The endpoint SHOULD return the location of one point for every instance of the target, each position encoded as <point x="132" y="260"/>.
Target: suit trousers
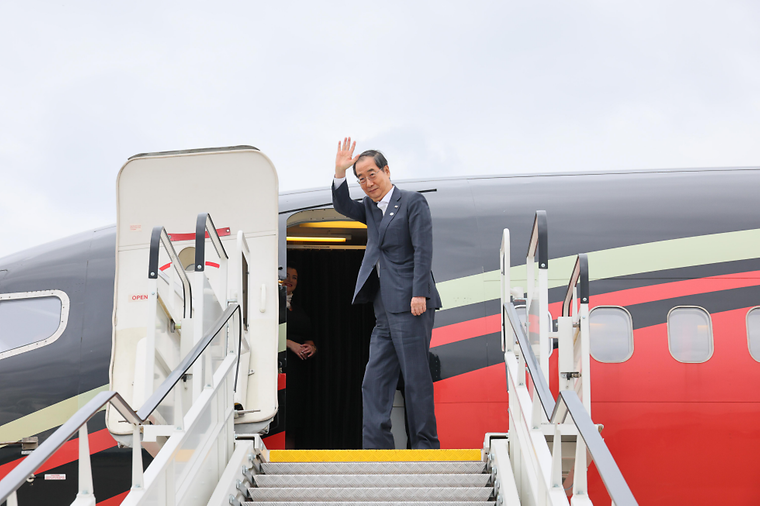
<point x="399" y="342"/>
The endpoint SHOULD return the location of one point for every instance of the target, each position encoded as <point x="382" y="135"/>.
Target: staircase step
<point x="372" y="494"/>
<point x="470" y="467"/>
<point x="372" y="480"/>
<point x="377" y="503"/>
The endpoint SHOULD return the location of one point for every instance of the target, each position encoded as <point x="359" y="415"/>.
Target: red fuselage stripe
<point x="490" y="324"/>
<point x="465" y="330"/>
<point x="670" y="290"/>
<point x="677" y="289"/>
<point x="69" y="452"/>
<point x="115" y="500"/>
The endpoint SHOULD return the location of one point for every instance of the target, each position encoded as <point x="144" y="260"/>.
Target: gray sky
<point x="443" y="88"/>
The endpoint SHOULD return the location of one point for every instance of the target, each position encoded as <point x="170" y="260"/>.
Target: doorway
<point x="323" y="393"/>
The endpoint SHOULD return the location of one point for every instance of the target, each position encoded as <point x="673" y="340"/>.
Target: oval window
<point x="690" y="334"/>
<point x="30" y="320"/>
<point x="610" y="334"/>
<point x="753" y="332"/>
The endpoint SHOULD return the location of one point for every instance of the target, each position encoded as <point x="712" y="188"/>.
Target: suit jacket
<point x="401" y="241"/>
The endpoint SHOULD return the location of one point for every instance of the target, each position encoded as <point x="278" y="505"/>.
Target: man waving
<point x="396" y="277"/>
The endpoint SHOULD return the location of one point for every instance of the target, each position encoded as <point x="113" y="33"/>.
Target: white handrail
<point x="159" y="238"/>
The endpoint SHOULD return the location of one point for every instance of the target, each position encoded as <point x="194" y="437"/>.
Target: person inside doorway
<point x="301" y="348"/>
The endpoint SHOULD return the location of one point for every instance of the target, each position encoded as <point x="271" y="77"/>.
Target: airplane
<point x="675" y="326"/>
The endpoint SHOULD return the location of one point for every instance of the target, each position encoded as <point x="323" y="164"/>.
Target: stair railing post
<point x="585" y="357"/>
<point x="179" y="414"/>
<point x="150" y="339"/>
<point x="138" y="482"/>
<point x="543" y="311"/>
<point x="538" y="247"/>
<point x="580" y="482"/>
<point x="86" y="495"/>
<point x="566" y="357"/>
<point x="507" y="336"/>
<point x="199" y="278"/>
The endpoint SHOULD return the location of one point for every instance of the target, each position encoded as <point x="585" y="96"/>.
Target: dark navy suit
<point x="401" y="243"/>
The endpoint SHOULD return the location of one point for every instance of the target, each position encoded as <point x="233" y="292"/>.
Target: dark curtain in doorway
<point x="331" y="381"/>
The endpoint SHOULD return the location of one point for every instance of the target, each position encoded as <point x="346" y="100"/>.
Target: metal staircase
<point x="347" y="477"/>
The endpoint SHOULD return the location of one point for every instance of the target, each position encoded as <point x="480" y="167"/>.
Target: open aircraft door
<point x="233" y="191"/>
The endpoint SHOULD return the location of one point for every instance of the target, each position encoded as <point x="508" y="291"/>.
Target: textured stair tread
<point x="453" y="467"/>
<point x="378" y="503"/>
<point x="372" y="494"/>
<point x="371" y="480"/>
<point x="375" y="455"/>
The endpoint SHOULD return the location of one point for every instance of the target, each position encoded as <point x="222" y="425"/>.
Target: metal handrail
<point x="158" y="237"/>
<point x="579" y="277"/>
<point x="20" y="473"/>
<point x="204" y="224"/>
<point x="569" y="402"/>
<point x="163" y="390"/>
<point x="539" y="240"/>
<point x="18" y="476"/>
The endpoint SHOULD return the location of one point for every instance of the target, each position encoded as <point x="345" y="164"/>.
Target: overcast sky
<point x="443" y="88"/>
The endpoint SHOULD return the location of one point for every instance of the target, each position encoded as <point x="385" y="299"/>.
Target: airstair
<point x="340" y="477"/>
<point x="195" y="347"/>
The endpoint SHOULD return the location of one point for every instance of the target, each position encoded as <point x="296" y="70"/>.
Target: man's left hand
<point x="419" y="305"/>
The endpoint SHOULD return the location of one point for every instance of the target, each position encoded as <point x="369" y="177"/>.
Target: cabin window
<point x="31" y="320"/>
<point x="533" y="336"/>
<point x="753" y="332"/>
<point x="690" y="334"/>
<point x="610" y="334"/>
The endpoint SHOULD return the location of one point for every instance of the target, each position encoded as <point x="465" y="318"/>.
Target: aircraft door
<point x="238" y="188"/>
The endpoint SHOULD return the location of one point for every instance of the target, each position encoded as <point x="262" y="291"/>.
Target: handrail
<point x="158" y="237"/>
<point x="539" y="238"/>
<point x="203" y="224"/>
<point x="613" y="479"/>
<point x="18" y="475"/>
<point x="26" y="468"/>
<point x="173" y="378"/>
<point x="569" y="402"/>
<point x="531" y="363"/>
<point x="580" y="274"/>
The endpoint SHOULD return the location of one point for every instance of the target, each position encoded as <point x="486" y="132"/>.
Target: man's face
<point x="374" y="181"/>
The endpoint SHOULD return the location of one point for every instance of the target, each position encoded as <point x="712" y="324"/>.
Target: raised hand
<point x="345" y="157"/>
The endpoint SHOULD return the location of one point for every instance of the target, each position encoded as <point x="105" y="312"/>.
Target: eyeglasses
<point x="371" y="176"/>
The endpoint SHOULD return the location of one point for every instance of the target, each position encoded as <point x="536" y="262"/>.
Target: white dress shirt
<point x="383" y="204"/>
